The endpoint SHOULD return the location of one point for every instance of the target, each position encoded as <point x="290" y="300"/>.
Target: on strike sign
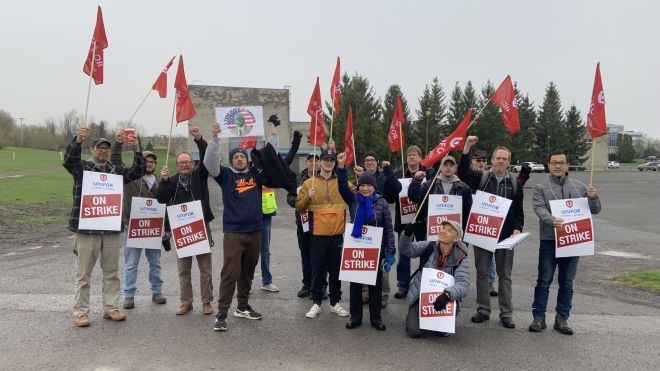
<point x="188" y="229"/>
<point x="407" y="208"/>
<point x="360" y="256"/>
<point x="442" y="208"/>
<point x="486" y="219"/>
<point x="304" y="218"/>
<point x="100" y="201"/>
<point x="145" y="226"/>
<point x="434" y="282"/>
<point x="576" y="236"/>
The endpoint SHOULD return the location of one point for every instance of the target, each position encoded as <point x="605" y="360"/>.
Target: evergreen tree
<point x="578" y="142"/>
<point x="428" y="131"/>
<point x="626" y="149"/>
<point x="456" y="110"/>
<point x="550" y="131"/>
<point x="522" y="144"/>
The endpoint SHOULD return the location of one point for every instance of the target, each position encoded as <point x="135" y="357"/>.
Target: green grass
<point x="649" y="280"/>
<point x="15" y="159"/>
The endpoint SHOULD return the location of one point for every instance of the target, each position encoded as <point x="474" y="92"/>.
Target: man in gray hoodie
<point x="557" y="187"/>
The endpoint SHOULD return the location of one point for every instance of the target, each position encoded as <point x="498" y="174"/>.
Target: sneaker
<point x="158" y="299"/>
<point x="270" y="288"/>
<point x="507" y="322"/>
<point x="247" y="313"/>
<point x="129" y="303"/>
<point x="538" y="325"/>
<point x="303" y="292"/>
<point x="479" y="318"/>
<point x="339" y="310"/>
<point x="561" y="325"/>
<point x="220" y="323"/>
<point x="115" y="315"/>
<point x="401" y="294"/>
<point x="81" y="320"/>
<point x="493" y="290"/>
<point x="313" y="311"/>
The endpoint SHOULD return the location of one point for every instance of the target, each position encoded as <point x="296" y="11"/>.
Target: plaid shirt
<point x="75" y="165"/>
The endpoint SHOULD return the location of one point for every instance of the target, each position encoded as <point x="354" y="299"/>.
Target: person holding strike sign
<point x="367" y="208"/>
<point x="448" y="254"/>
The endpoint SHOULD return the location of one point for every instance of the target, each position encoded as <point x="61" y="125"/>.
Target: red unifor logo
<point x="445" y="199"/>
<point x="441" y="274"/>
<point x="149" y="202"/>
<point x="492" y="199"/>
<point x="364" y="230"/>
<point x="104" y="177"/>
<point x="569" y="203"/>
<point x="184" y="208"/>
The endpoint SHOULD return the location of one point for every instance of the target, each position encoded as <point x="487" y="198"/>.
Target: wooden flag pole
<point x="401" y="142"/>
<point x="169" y="140"/>
<point x="354" y="151"/>
<point x="89" y="84"/>
<point x="137" y="109"/>
<point x="593" y="154"/>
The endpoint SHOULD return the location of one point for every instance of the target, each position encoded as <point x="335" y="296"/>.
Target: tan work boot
<point x="82" y="320"/>
<point x="115" y="315"/>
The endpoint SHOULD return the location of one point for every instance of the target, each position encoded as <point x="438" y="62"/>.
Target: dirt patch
<point x="37" y="223"/>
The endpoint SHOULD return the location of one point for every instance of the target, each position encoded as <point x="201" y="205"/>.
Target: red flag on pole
<point x="349" y="149"/>
<point x="184" y="107"/>
<point x="395" y="134"/>
<point x="101" y="43"/>
<point x="315" y="110"/>
<point x="454" y="142"/>
<point x="248" y="142"/>
<point x="161" y="82"/>
<point x="505" y="98"/>
<point x="596" y="123"/>
<point x="335" y="91"/>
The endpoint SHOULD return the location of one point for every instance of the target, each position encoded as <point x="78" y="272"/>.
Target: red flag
<point x="335" y="91"/>
<point x="161" y="82"/>
<point x="348" y="138"/>
<point x="184" y="107"/>
<point x="505" y="98"/>
<point x="315" y="110"/>
<point x="248" y="142"/>
<point x="101" y="43"/>
<point x="395" y="134"/>
<point x="596" y="123"/>
<point x="454" y="142"/>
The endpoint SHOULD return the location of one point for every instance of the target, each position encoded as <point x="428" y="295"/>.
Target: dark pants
<point x="567" y="269"/>
<point x="375" y="297"/>
<point x="305" y="257"/>
<point x="241" y="254"/>
<point x="504" y="263"/>
<point x="403" y="266"/>
<point x="326" y="257"/>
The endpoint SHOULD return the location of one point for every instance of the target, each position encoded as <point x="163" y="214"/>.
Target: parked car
<point x="613" y="165"/>
<point x="653" y="165"/>
<point x="536" y="167"/>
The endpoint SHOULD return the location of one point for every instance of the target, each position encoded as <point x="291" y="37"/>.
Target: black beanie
<point x="371" y="154"/>
<point x="368" y="178"/>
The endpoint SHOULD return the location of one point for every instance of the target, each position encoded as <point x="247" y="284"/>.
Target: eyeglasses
<point x="481" y="160"/>
<point x="328" y="160"/>
<point x="558" y="163"/>
<point x="102" y="148"/>
<point x="449" y="164"/>
<point x="150" y="161"/>
<point x="184" y="163"/>
<point x="370" y="160"/>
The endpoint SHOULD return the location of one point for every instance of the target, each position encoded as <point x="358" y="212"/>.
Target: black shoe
<point x="303" y="292"/>
<point x="247" y="313"/>
<point x="129" y="303"/>
<point x="538" y="325"/>
<point x="158" y="299"/>
<point x="400" y="294"/>
<point x="561" y="325"/>
<point x="493" y="291"/>
<point x="353" y="323"/>
<point x="507" y="322"/>
<point x="220" y="323"/>
<point x="378" y="325"/>
<point x="479" y="318"/>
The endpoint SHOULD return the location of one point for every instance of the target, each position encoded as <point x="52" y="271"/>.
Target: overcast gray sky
<point x="270" y="44"/>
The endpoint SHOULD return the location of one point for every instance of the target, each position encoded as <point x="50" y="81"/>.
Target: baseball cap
<point x="480" y="154"/>
<point x="456" y="226"/>
<point x="149" y="153"/>
<point x="328" y="153"/>
<point x="99" y="141"/>
<point x="448" y="158"/>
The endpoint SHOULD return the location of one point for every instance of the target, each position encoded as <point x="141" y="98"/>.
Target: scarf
<point x="363" y="214"/>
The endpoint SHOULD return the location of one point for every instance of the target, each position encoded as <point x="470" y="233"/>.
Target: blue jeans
<point x="491" y="272"/>
<point x="565" y="276"/>
<point x="131" y="260"/>
<point x="266" y="277"/>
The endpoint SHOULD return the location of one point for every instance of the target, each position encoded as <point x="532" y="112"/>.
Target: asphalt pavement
<point x="616" y="327"/>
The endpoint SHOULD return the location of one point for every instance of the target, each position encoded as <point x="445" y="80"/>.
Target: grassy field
<point x="649" y="280"/>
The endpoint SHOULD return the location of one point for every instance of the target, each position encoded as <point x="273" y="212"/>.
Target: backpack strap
<point x="424" y="258"/>
<point x="484" y="179"/>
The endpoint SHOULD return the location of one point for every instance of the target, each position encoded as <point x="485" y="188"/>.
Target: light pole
<point x="22" y="131"/>
<point x="426" y="144"/>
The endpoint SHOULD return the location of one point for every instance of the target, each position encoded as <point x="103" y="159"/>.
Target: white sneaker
<point x="270" y="287"/>
<point x="339" y="310"/>
<point x="313" y="311"/>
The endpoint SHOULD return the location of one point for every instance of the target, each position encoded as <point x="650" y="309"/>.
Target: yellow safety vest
<point x="268" y="201"/>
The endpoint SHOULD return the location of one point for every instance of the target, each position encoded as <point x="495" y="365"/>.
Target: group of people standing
<point x="325" y="201"/>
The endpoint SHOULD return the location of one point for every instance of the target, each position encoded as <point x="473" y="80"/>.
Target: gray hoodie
<point x="557" y="189"/>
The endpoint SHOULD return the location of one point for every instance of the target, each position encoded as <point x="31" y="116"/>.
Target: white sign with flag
<point x="486" y="219"/>
<point x="407" y="208"/>
<point x="188" y="229"/>
<point x="360" y="256"/>
<point x="145" y="226"/>
<point x="238" y="122"/>
<point x="434" y="282"/>
<point x="576" y="236"/>
<point x="101" y="201"/>
<point x="442" y="208"/>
